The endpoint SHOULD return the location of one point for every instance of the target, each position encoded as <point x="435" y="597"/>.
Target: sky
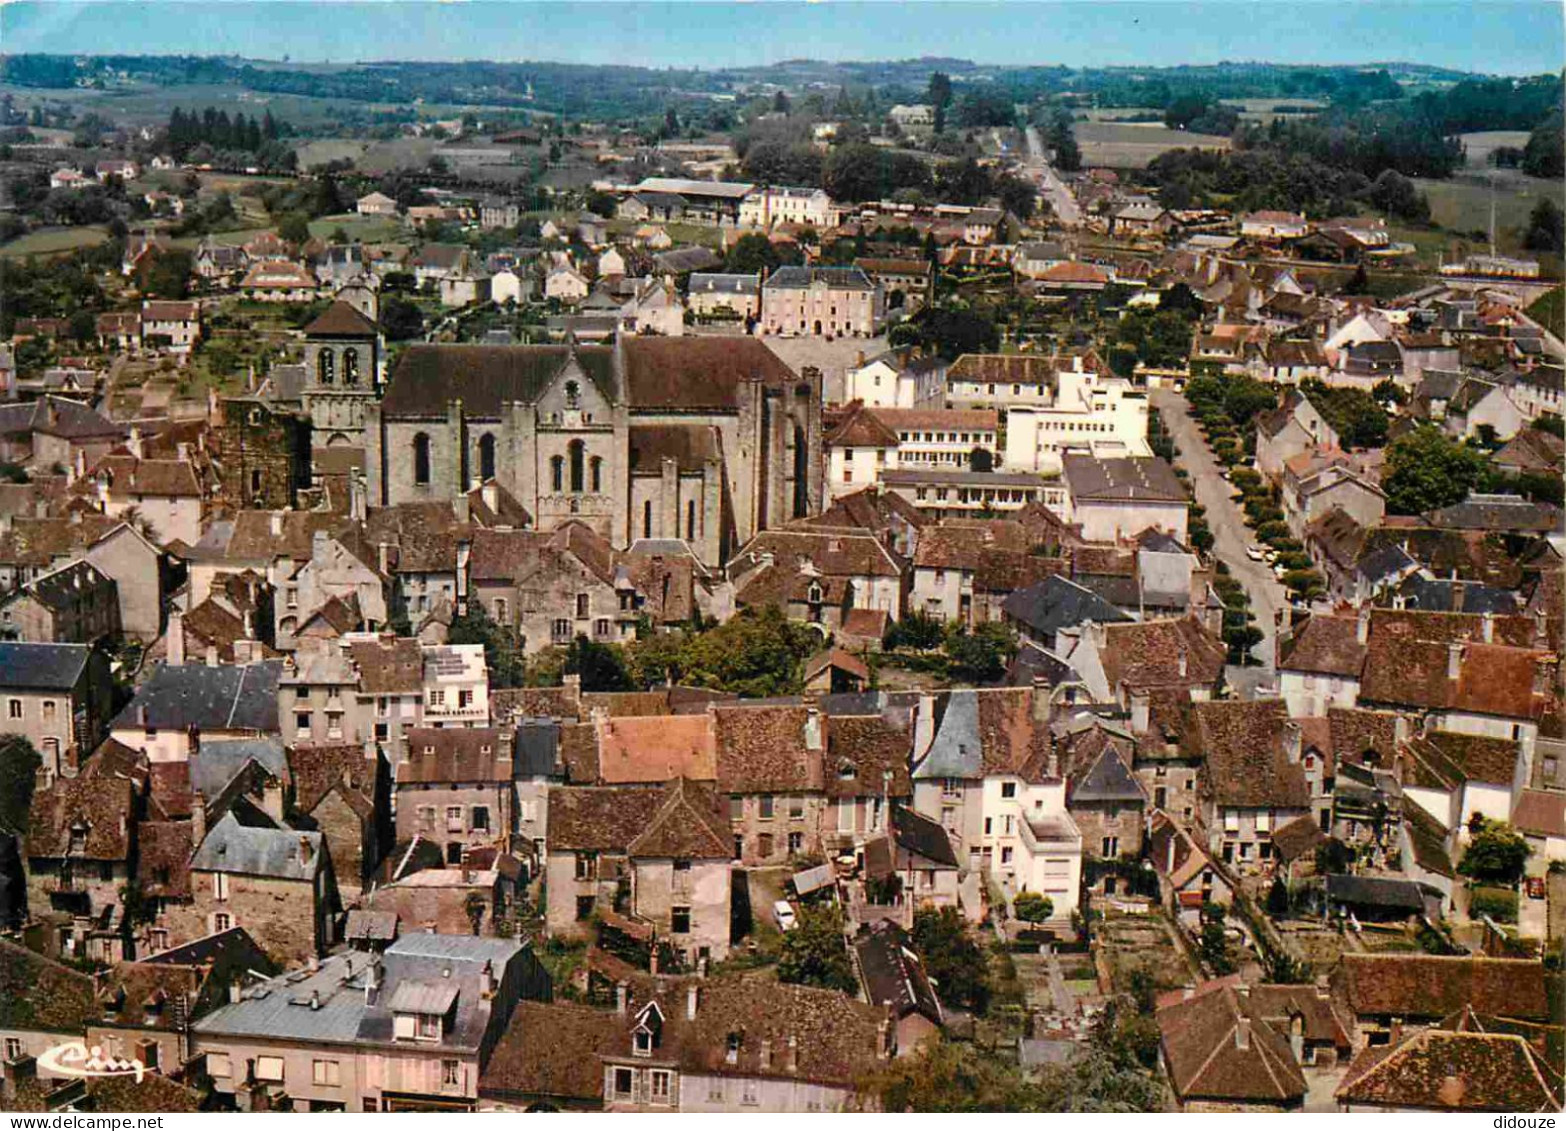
<point x="1492" y="36"/>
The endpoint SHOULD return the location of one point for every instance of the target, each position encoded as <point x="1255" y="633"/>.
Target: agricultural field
<point x="1264" y="111"/>
<point x="1129" y="146"/>
<point x="53" y="241"/>
<point x="360" y="229"/>
<point x="1479" y="146"/>
<point x="322" y="150"/>
<point x="1462" y="204"/>
<point x="1549" y="311"/>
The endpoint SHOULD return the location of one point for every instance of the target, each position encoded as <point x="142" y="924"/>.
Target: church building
<point x="705" y="440"/>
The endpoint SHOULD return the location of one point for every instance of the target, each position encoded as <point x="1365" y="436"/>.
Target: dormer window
<point x="643" y="1042"/>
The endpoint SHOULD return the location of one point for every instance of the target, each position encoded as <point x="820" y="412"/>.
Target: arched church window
<point x="350" y="366"/>
<point x="557" y="473"/>
<point x="421" y="458"/>
<point x="325" y="367"/>
<point x="577" y="453"/>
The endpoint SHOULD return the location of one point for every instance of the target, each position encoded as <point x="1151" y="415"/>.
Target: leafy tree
<point x="1497" y="853"/>
<point x="1283" y="969"/>
<point x="1356" y="416"/>
<point x="755" y="653"/>
<point x="1546" y="227"/>
<point x="1212" y="942"/>
<point x="1334" y="858"/>
<point x="1160" y="337"/>
<point x="752" y="253"/>
<point x="1032" y="907"/>
<point x="19" y="765"/>
<point x="940" y="94"/>
<point x="1425" y="469"/>
<point x="814" y="954"/>
<point x="980" y="654"/>
<point x="401" y="319"/>
<point x="952" y="958"/>
<point x="1387" y="393"/>
<point x="1278" y="898"/>
<point x="295" y="228"/>
<point x="1545" y="153"/>
<point x="917" y="630"/>
<point x="601" y="666"/>
<point x="169" y="274"/>
<point x="981" y="459"/>
<point x="947" y="1076"/>
<point x="502" y="653"/>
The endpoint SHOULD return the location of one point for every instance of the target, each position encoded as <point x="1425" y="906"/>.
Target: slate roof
<point x="920" y="835"/>
<point x="1107" y="779"/>
<point x="801" y="278"/>
<point x="57" y="416"/>
<point x="215" y="764"/>
<point x="986" y="732"/>
<point x="316" y="770"/>
<point x="42" y="667"/>
<point x="253" y="850"/>
<point x="211" y="699"/>
<point x="1496" y="512"/>
<point x="535" y="751"/>
<point x="892" y="975"/>
<point x="1380" y="892"/>
<point x="1058" y="603"/>
<point x="1128" y="479"/>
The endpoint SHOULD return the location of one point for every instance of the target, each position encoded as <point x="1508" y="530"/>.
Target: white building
<point x="941" y="437"/>
<point x="1102" y="416"/>
<point x="892" y="380"/>
<point x="1119" y="498"/>
<point x="766" y="207"/>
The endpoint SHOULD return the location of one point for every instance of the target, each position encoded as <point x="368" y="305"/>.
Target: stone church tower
<point x="342" y="375"/>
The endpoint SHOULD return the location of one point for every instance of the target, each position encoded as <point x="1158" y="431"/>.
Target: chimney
<point x="621" y="997"/>
<point x="883" y="1038"/>
<point x="1040" y="700"/>
<point x="1242" y="1033"/>
<point x="1362" y="626"/>
<point x="315" y="999"/>
<point x="306" y="850"/>
<point x="22" y="1068"/>
<point x="461" y="508"/>
<point x="174" y="641"/>
<point x="813" y="729"/>
<point x="490" y="493"/>
<point x="487" y="984"/>
<point x="356" y="497"/>
<point x="1141" y="709"/>
<point x="1486" y="620"/>
<point x="1454" y="659"/>
<point x="652" y="962"/>
<point x="372" y="980"/>
<point x="692" y="1000"/>
<point x="1401" y="731"/>
<point x="1541" y="628"/>
<point x="318" y="544"/>
<point x="1182" y="665"/>
<point x="235" y="991"/>
<point x="1293" y="741"/>
<point x="276" y="519"/>
<point x="198" y="818"/>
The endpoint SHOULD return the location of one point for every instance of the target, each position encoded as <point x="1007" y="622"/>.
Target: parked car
<point x="783" y="912"/>
<point x="1254" y="553"/>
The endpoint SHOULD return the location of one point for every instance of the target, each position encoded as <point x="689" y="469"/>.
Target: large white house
<point x="1102" y="416"/>
<point x="766" y="207"/>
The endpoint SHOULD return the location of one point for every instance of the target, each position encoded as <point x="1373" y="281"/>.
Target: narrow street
<point x="1230" y="535"/>
<point x="1058" y="195"/>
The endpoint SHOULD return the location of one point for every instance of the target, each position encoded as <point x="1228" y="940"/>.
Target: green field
<point x="53" y="241"/>
<point x="1462" y="205"/>
<point x="1550" y="311"/>
<point x="1479" y="146"/>
<point x="1127" y="146"/>
<point x="364" y="229"/>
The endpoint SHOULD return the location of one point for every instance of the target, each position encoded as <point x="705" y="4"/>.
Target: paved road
<point x="1230" y="534"/>
<point x="1058" y="195"/>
